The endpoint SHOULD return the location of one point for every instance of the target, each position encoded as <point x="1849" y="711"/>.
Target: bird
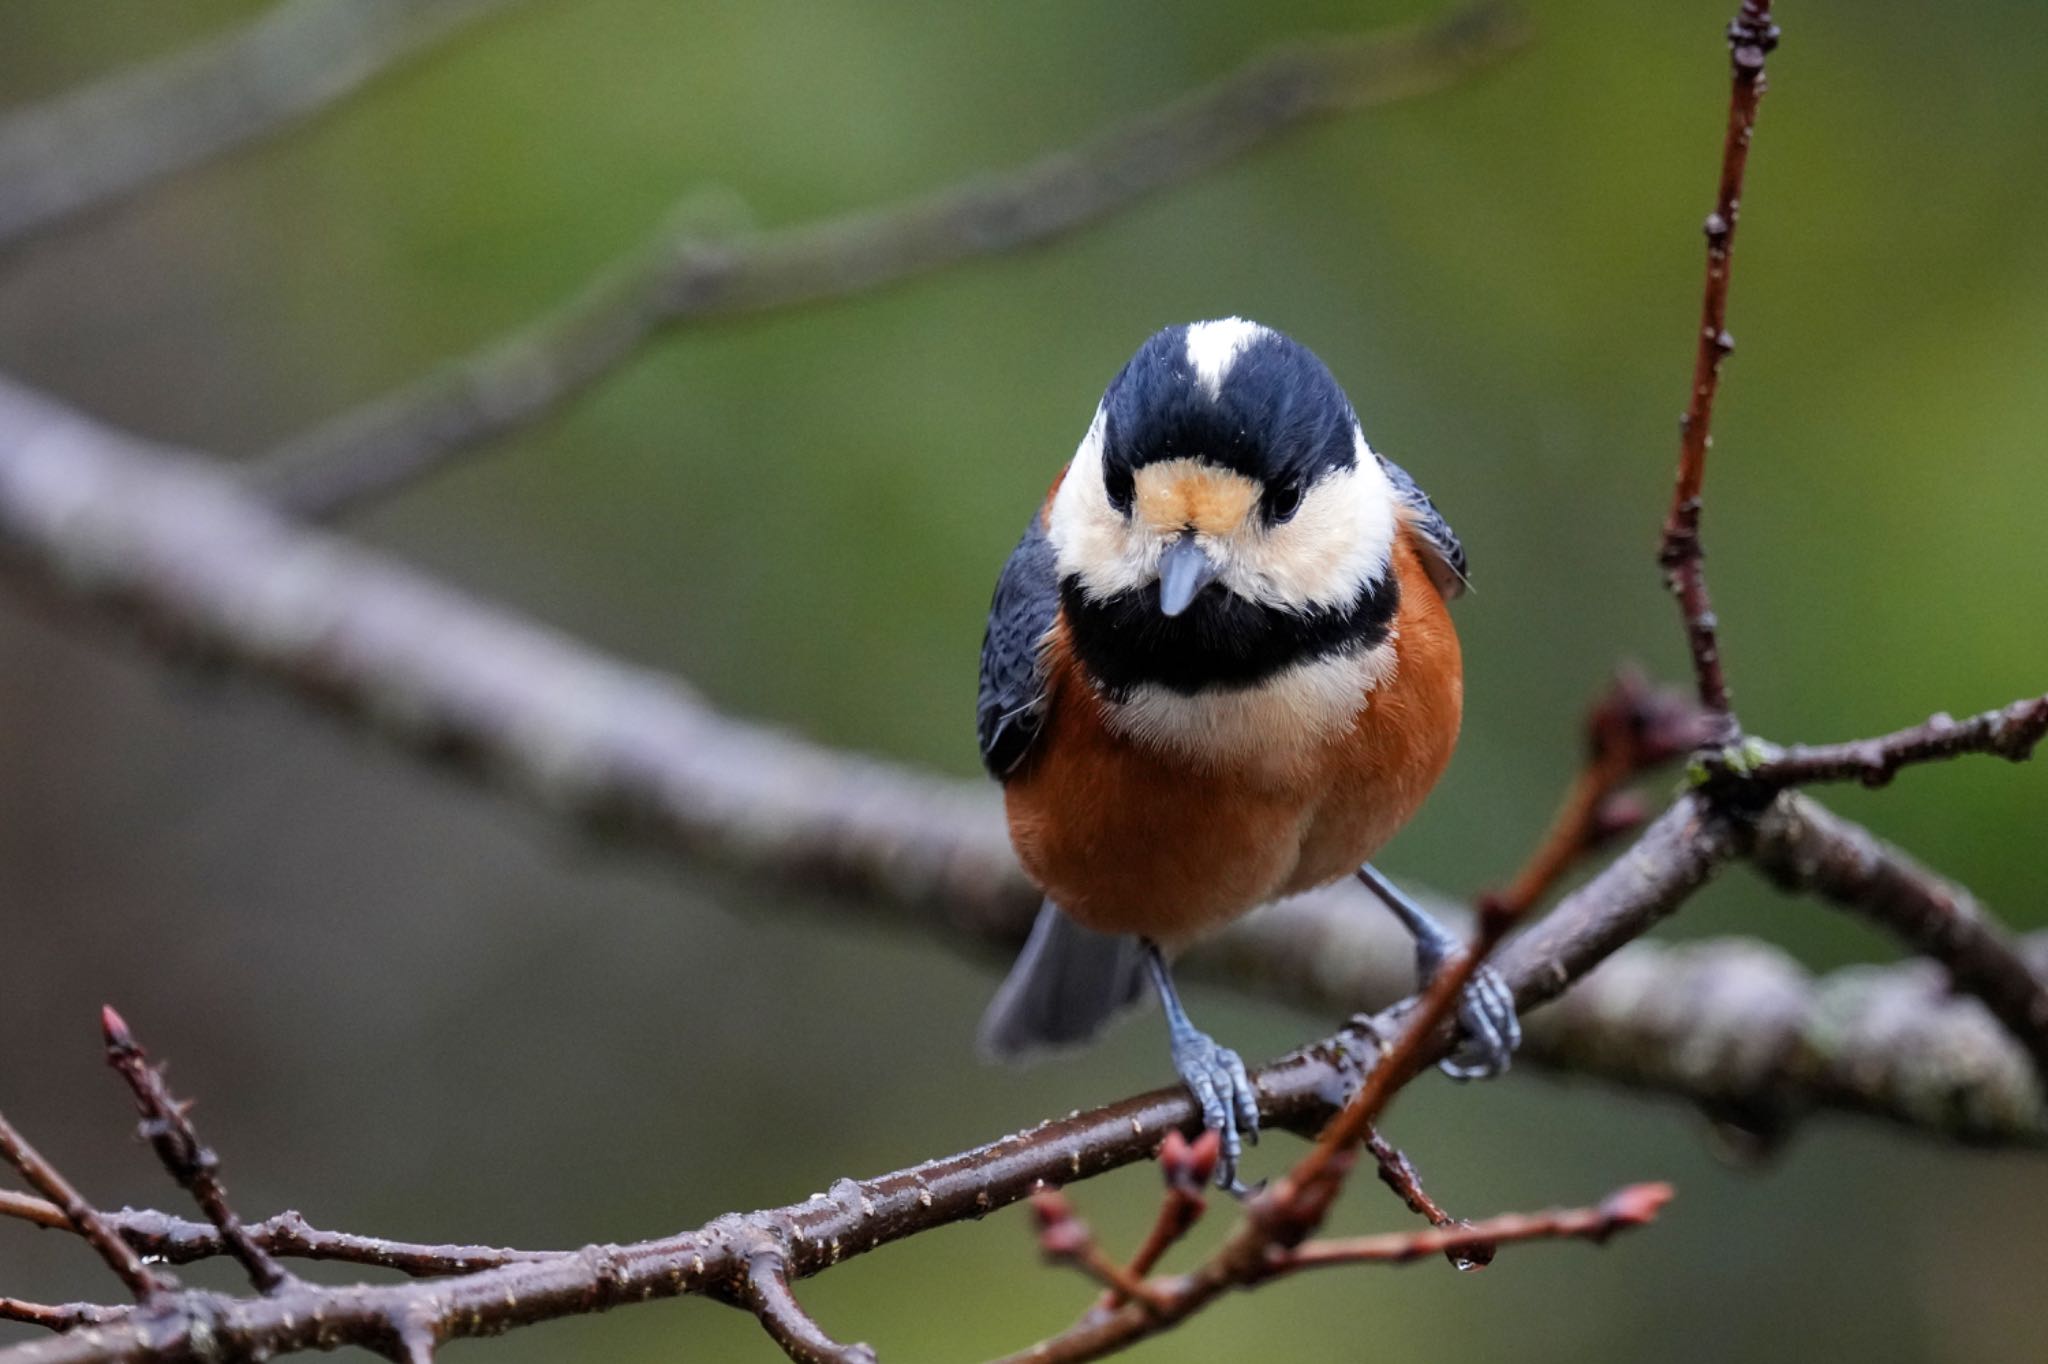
<point x="1219" y="670"/>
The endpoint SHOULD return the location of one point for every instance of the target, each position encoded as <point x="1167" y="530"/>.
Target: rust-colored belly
<point x="1130" y="838"/>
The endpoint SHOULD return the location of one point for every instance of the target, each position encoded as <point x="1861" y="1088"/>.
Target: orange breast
<point x="1134" y="839"/>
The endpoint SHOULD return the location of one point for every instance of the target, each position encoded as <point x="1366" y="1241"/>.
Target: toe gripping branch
<point x="1213" y="1073"/>
<point x="1489" y="1027"/>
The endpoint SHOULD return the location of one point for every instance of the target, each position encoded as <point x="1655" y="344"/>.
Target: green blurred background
<point x="417" y="1011"/>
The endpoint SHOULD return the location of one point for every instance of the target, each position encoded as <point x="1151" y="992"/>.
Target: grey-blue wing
<point x="1442" y="553"/>
<point x="1012" y="705"/>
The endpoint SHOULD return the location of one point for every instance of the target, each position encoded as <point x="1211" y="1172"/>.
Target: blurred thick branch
<point x="178" y="548"/>
<point x="520" y="379"/>
<point x="100" y="144"/>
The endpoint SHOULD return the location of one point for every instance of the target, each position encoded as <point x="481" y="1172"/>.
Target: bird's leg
<point x="1486" y="1010"/>
<point x="1214" y="1074"/>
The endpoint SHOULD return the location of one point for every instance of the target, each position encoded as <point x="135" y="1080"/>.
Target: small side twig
<point x="1187" y="1167"/>
<point x="167" y="1127"/>
<point x="66" y="1317"/>
<point x="1635" y="1206"/>
<point x="1751" y="37"/>
<point x="1064" y="1239"/>
<point x="179" y="1241"/>
<point x="1398" y="1173"/>
<point x="2010" y="732"/>
<point x="768" y="1296"/>
<point x="140" y="1280"/>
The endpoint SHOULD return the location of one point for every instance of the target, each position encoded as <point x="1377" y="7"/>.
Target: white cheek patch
<point x="1091" y="540"/>
<point x="1337" y="544"/>
<point x="1213" y="347"/>
<point x="1271" y="725"/>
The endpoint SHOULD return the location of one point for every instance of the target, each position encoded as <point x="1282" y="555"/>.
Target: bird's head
<point x="1223" y="517"/>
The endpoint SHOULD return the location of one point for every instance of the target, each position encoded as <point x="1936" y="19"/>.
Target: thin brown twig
<point x="515" y="381"/>
<point x="167" y="1127"/>
<point x="2010" y="732"/>
<point x="1631" y="729"/>
<point x="95" y="146"/>
<point x="142" y="1281"/>
<point x="177" y="1240"/>
<point x="1751" y="36"/>
<point x="39" y="1212"/>
<point x="63" y="1317"/>
<point x="1314" y="1179"/>
<point x="1398" y="1173"/>
<point x="1186" y="1168"/>
<point x="1064" y="1239"/>
<point x="1635" y="1206"/>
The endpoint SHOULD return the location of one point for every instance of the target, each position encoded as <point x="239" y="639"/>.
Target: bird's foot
<point x="1489" y="1028"/>
<point x="1215" y="1075"/>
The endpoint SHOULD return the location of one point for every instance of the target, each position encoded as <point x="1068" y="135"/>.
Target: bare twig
<point x="1635" y="1206"/>
<point x="1186" y="1167"/>
<point x="1064" y="1239"/>
<point x="80" y="1215"/>
<point x="69" y="1316"/>
<point x="95" y="146"/>
<point x="1806" y="848"/>
<point x="178" y="1241"/>
<point x="2011" y="732"/>
<point x="1750" y="37"/>
<point x="1398" y="1173"/>
<point x="768" y="1295"/>
<point x="1097" y="1335"/>
<point x="38" y="1212"/>
<point x="167" y="1126"/>
<point x="520" y="379"/>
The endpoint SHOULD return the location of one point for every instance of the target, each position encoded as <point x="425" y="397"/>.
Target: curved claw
<point x="1216" y="1076"/>
<point x="1492" y="1029"/>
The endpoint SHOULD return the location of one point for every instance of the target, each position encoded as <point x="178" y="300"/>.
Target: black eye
<point x="1283" y="502"/>
<point x="1117" y="483"/>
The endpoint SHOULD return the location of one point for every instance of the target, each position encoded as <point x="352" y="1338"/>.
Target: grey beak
<point x="1183" y="573"/>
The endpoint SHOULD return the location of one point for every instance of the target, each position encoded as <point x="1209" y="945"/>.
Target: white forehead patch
<point x="1213" y="347"/>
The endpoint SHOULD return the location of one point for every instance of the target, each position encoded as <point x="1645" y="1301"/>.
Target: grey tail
<point x="1068" y="983"/>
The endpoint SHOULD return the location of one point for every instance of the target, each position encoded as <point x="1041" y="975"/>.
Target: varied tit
<point x="1218" y="670"/>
